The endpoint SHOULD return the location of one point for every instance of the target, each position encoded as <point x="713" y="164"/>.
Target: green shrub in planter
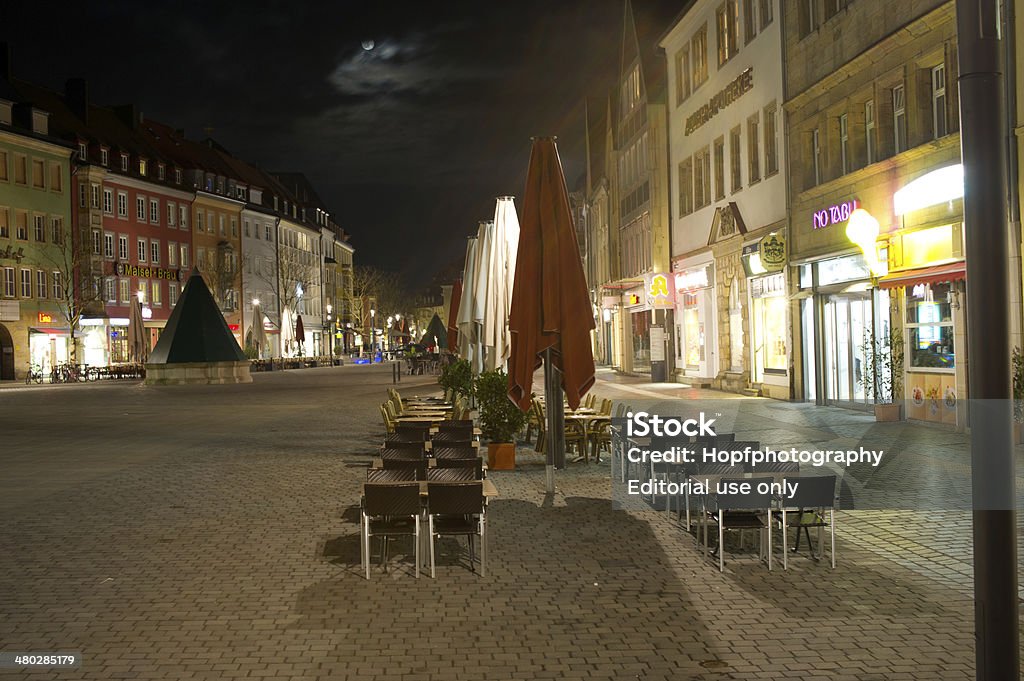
<point x="458" y="377"/>
<point x="500" y="417"/>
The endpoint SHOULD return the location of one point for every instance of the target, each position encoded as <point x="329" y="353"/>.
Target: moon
<point x="368" y="45"/>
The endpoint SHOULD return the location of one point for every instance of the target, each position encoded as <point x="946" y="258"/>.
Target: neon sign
<point x="833" y="214"/>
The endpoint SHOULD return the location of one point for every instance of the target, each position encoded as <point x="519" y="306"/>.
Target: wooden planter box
<point x="889" y="412"/>
<point x="501" y="456"/>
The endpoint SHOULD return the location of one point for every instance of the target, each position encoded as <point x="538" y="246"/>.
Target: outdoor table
<point x="378" y="463"/>
<point x="476" y="431"/>
<point x="489" y="490"/>
<point x="712" y="480"/>
<point x="422" y="418"/>
<point x="585" y="420"/>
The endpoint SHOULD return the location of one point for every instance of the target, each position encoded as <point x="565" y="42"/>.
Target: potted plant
<point x="457" y="377"/>
<point x="882" y="375"/>
<point x="500" y="419"/>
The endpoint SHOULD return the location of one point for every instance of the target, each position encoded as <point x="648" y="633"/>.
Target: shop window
<point x="929" y="317"/>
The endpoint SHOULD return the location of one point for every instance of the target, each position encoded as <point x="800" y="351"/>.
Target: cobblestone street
<point x="211" y="532"/>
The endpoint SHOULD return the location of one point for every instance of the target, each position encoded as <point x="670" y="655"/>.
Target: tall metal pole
<point x="983" y="149"/>
<point x="555" y="447"/>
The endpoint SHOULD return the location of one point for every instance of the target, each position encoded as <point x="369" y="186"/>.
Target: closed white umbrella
<point x="481" y="281"/>
<point x="501" y="272"/>
<point x="287" y="332"/>
<point x="259" y="337"/>
<point x="467" y="335"/>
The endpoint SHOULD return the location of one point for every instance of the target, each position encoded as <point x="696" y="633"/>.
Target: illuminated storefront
<point x="638" y="316"/>
<point x="695" y="320"/>
<point x="764" y="262"/>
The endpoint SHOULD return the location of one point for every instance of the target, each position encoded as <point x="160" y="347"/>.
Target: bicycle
<point x="34" y="375"/>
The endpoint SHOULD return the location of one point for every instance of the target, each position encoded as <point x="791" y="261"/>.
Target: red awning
<point x="952" y="271"/>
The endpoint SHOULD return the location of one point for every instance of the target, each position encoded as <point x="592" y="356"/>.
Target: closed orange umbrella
<point x="551" y="307"/>
<point x="453" y="317"/>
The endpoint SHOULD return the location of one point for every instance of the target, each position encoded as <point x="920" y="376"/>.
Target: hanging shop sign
<point x="740" y="85"/>
<point x="692" y="280"/>
<point x="124" y="270"/>
<point x="660" y="295"/>
<point x="772" y="249"/>
<point x="838" y="213"/>
<point x="632" y="300"/>
<point x="11" y="254"/>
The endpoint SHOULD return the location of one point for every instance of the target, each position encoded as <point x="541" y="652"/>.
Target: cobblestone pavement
<point x="211" y="533"/>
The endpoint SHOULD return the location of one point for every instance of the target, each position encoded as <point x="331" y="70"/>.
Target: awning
<point x="953" y="271"/>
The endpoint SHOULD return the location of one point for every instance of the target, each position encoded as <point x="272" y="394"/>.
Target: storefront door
<point x="847" y="325"/>
<point x="6" y="355"/>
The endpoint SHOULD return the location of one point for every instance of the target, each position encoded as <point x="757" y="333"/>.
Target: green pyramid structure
<point x="196" y="331"/>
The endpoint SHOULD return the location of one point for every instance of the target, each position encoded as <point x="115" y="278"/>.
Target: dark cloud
<point x="409" y="142"/>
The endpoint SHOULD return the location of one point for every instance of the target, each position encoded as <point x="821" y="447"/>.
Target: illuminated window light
<point x="938" y="186"/>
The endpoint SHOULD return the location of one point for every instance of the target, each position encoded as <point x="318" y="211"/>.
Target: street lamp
<point x="373" y="333"/>
<point x="329" y="328"/>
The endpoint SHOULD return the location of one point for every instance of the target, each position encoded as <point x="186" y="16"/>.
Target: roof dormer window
<point x="104" y="157"/>
<point x="161" y="171"/>
<point x="83" y="151"/>
<point x="177" y="176"/>
<point x="124" y="162"/>
<point x="142" y="167"/>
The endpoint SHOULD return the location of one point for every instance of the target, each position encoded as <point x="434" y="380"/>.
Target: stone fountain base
<point x="198" y="373"/>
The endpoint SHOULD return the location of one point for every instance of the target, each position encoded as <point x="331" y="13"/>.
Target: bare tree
<point x="221" y="272"/>
<point x="77" y="278"/>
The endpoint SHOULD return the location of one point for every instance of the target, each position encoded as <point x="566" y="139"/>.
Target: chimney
<point x="128" y="116"/>
<point x="6" y="73"/>
<point x="76" y="94"/>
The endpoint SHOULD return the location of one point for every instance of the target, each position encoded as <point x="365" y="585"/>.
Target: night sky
<point x="408" y="142"/>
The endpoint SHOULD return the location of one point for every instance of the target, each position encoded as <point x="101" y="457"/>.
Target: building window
<point x="682" y="74"/>
<point x="124" y="288"/>
<point x="26" y="283"/>
<point x="899" y="119"/>
<point x="939" y="126"/>
<point x="234" y="228"/>
<point x="172" y="293"/>
<point x="686" y="187"/>
<point x="727" y="20"/>
<point x="40" y="284"/>
<point x="8" y="282"/>
<point x="108" y="245"/>
<point x="108" y="201"/>
<point x="171" y="214"/>
<point x="104" y="157"/>
<point x="97" y="242"/>
<point x="142" y="167"/>
<point x="750" y="10"/>
<point x="82" y="192"/>
<point x="5" y="225"/>
<point x="21" y="225"/>
<point x="154" y="252"/>
<point x="266" y="233"/>
<point x="38" y="174"/>
<point x="753" y="150"/>
<point x="702" y="178"/>
<point x="154" y="211"/>
<point x="157" y="292"/>
<point x="140" y="208"/>
<point x="816" y="155"/>
<point x="771" y="155"/>
<point x="767" y="12"/>
<point x="172" y="254"/>
<point x="124" y="163"/>
<point x="141" y="250"/>
<point x="209" y="222"/>
<point x="869" y="131"/>
<point x="58" y="286"/>
<point x="56" y="230"/>
<point x="245" y="227"/>
<point x="183" y="217"/>
<point x="844" y="143"/>
<point x="735" y="158"/>
<point x="143" y="291"/>
<point x="122" y="205"/>
<point x="122" y="247"/>
<point x="95" y="195"/>
<point x="719" y="168"/>
<point x="184" y="256"/>
<point x="161" y="171"/>
<point x="109" y="290"/>
<point x="39" y="227"/>
<point x="220" y="223"/>
<point x="808" y="17"/>
<point x="833" y="7"/>
<point x="699" y="53"/>
<point x="199" y="220"/>
<point x="56" y="180"/>
<point x="83" y="151"/>
<point x="177" y="176"/>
